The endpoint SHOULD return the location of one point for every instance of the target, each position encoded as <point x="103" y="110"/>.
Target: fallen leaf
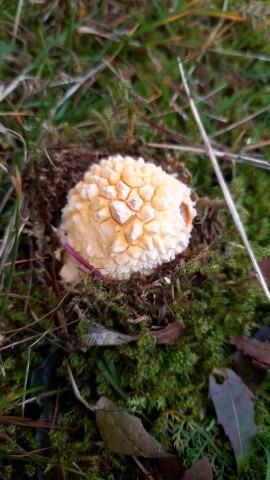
<point x="169" y="333"/>
<point x="259" y="351"/>
<point x="124" y="433"/>
<point x="201" y="470"/>
<point x="234" y="405"/>
<point x="170" y="467"/>
<point x="248" y="371"/>
<point x="96" y="334"/>
<point x="244" y="365"/>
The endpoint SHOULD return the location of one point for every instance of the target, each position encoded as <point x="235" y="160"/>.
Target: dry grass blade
<point x="17" y="18"/>
<point x="91" y="75"/>
<point x="238" y="158"/>
<point x="28" y="367"/>
<point x="242" y="121"/>
<point x="222" y="182"/>
<point x="250" y="56"/>
<point x="9" y="237"/>
<point x="5" y="198"/>
<point x="14" y="84"/>
<point x="10" y="134"/>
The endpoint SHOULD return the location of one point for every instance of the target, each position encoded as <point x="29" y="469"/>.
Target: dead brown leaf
<point x="96" y="335"/>
<point x="234" y="405"/>
<point x="201" y="470"/>
<point x="259" y="351"/>
<point x="169" y="334"/>
<point x="124" y="433"/>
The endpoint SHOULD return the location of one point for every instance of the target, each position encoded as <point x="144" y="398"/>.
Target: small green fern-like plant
<point x="194" y="440"/>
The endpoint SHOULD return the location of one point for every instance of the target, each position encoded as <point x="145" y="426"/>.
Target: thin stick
<point x="234" y="157"/>
<point x="92" y="408"/>
<point x="76" y="391"/>
<point x="222" y="182"/>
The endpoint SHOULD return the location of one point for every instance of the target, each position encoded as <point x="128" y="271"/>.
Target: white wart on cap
<point x="126" y="216"/>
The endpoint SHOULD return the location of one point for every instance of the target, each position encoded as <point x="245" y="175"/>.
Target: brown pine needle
<point x="222" y="182"/>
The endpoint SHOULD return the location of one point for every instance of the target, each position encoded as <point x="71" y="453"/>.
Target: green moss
<point x="216" y="299"/>
<point x="214" y="295"/>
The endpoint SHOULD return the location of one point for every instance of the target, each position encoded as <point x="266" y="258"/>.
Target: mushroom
<point x="125" y="216"/>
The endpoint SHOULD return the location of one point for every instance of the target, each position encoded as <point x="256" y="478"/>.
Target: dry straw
<point x="222" y="183"/>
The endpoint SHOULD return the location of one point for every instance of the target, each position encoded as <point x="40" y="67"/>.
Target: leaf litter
<point x="234" y="405"/>
<point x="201" y="470"/>
<point x="124" y="433"/>
<point x="259" y="351"/>
<point x="97" y="335"/>
<point x="168" y="334"/>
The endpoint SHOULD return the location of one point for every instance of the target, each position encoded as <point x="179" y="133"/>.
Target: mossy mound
<point x="210" y="290"/>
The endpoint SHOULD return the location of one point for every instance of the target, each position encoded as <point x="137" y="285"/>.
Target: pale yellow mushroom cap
<point x="126" y="216"/>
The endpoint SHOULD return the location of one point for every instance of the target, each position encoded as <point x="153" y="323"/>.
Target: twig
<point x="11" y="441"/>
<point x="222" y="182"/>
<point x="19" y="342"/>
<point x="28" y="339"/>
<point x="36" y="319"/>
<point x="76" y="391"/>
<point x="42" y="395"/>
<point x="145" y="472"/>
<point x="238" y="158"/>
<point x="92" y="408"/>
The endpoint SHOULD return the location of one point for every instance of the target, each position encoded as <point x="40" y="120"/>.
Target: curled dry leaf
<point x="201" y="470"/>
<point x="259" y="351"/>
<point x="124" y="433"/>
<point x="234" y="405"/>
<point x="97" y="335"/>
<point x="169" y="333"/>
